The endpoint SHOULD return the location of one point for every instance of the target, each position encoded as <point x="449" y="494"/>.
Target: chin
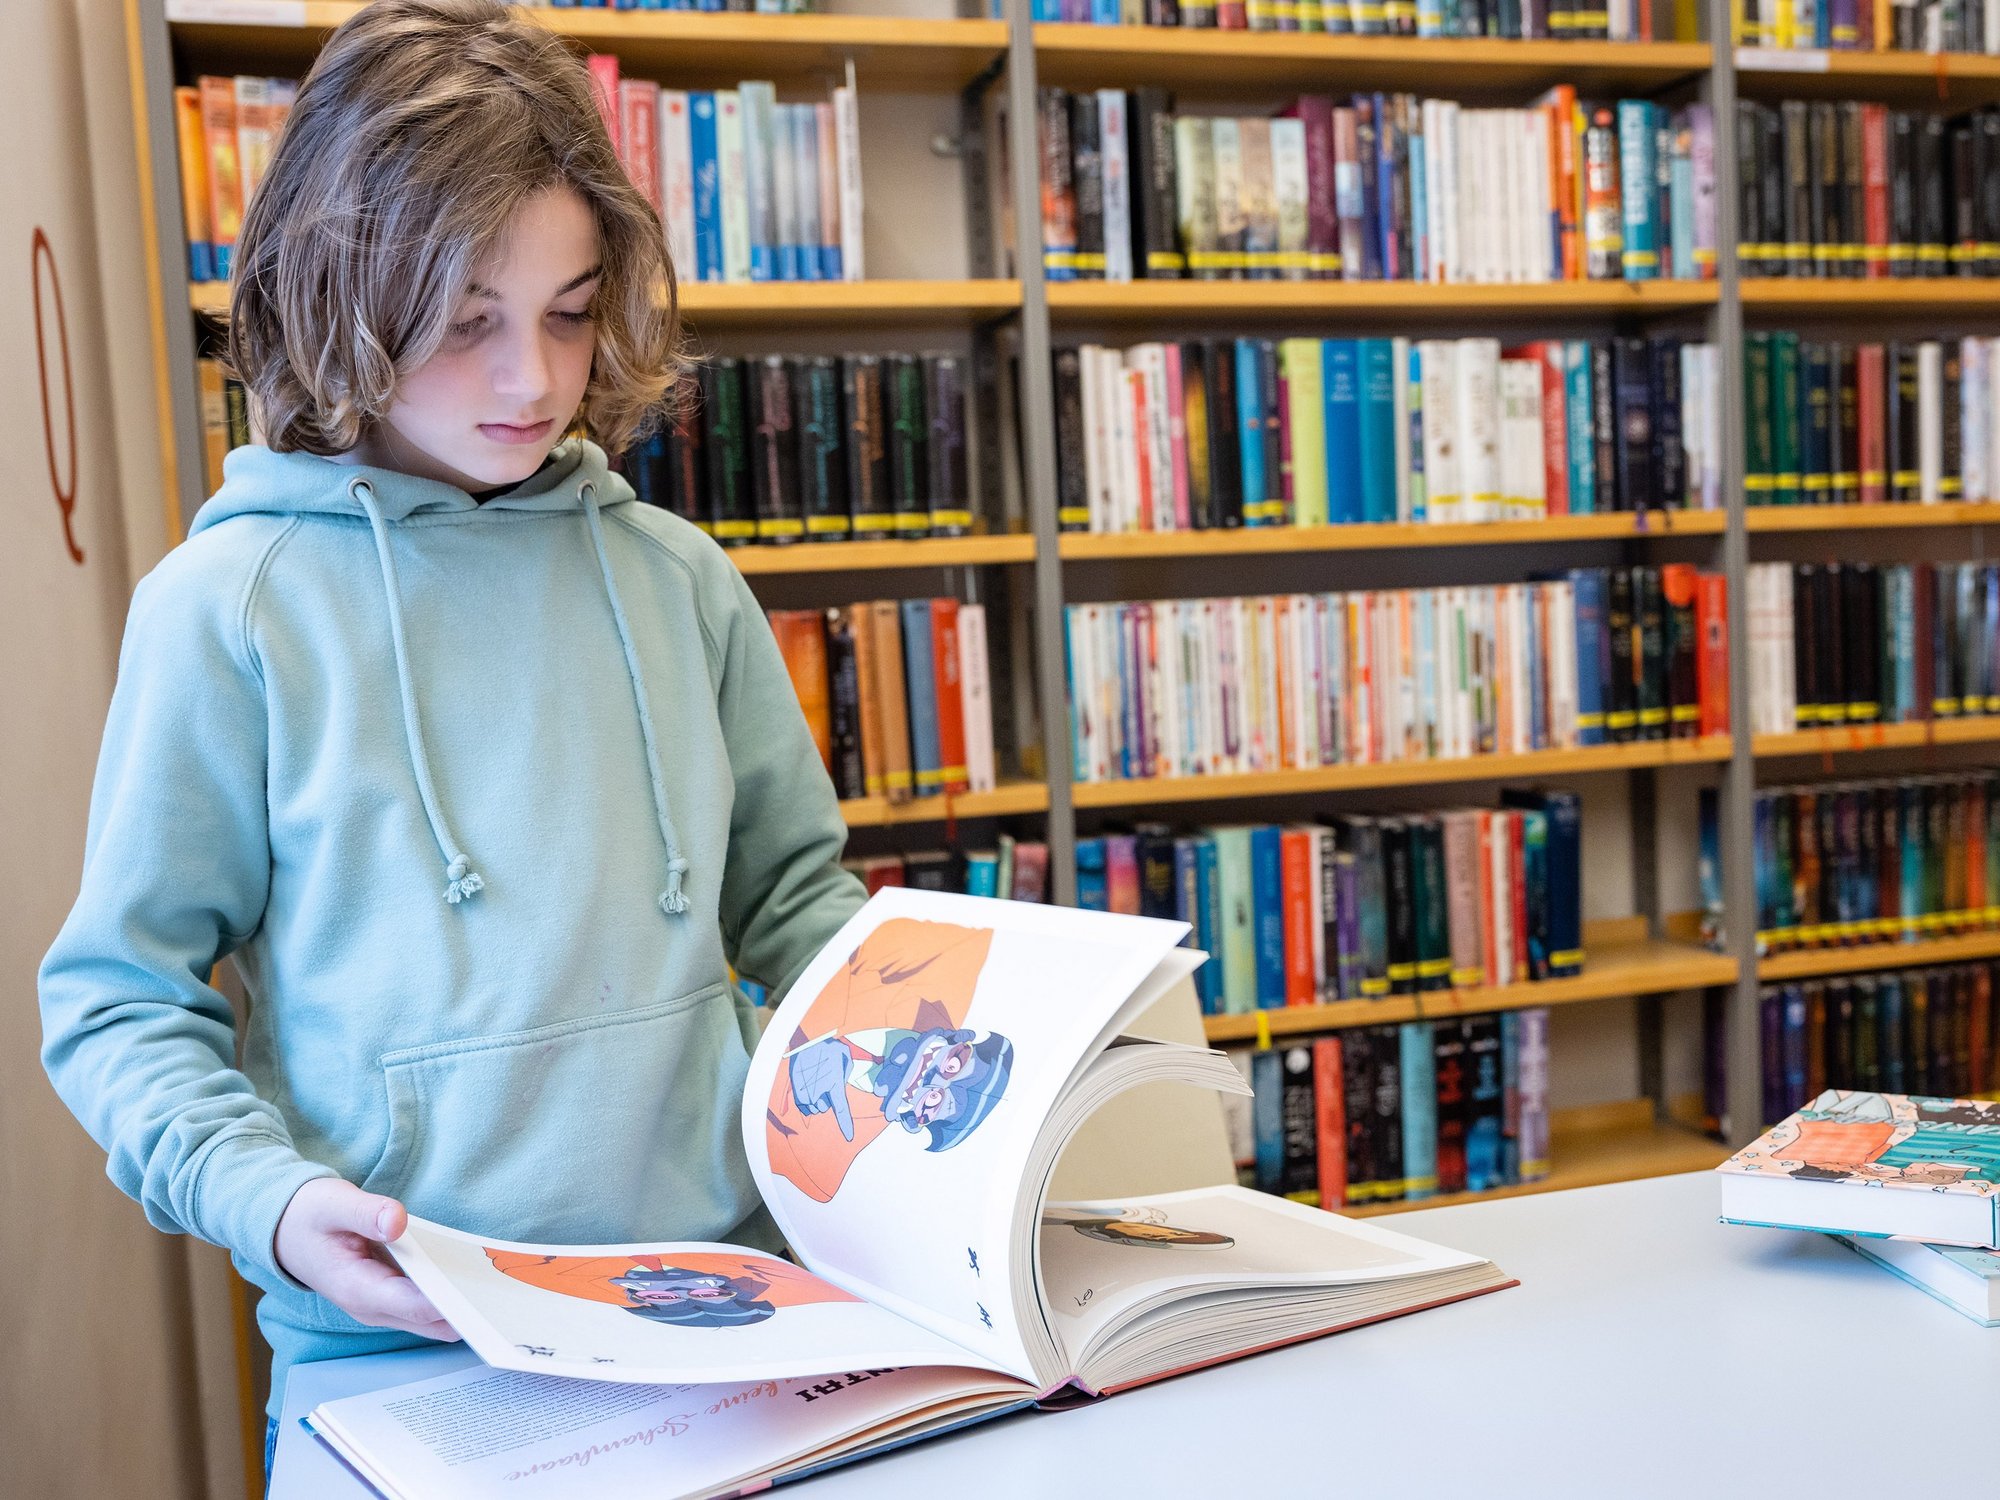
<point x="502" y="463"/>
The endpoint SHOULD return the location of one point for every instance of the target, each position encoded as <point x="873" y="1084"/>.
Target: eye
<point x="574" y="319"/>
<point x="466" y="329"/>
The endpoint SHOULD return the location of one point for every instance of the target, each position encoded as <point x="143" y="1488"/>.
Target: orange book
<point x="1295" y="856"/>
<point x="861" y="625"/>
<point x="1330" y="1112"/>
<point x="1489" y="946"/>
<point x="1711" y="628"/>
<point x="802" y="642"/>
<point x="950" y="695"/>
<point x="193" y="148"/>
<point x="891" y="702"/>
<point x="225" y="170"/>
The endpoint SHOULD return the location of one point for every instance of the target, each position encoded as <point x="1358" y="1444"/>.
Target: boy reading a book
<point x="482" y="772"/>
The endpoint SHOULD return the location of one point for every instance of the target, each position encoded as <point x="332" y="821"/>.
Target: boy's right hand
<point x="330" y="1237"/>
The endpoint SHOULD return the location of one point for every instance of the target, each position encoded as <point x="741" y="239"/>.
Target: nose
<point x="521" y="370"/>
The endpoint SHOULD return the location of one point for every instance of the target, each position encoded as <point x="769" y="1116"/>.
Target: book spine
<point x="845" y="711"/>
<point x="774" y="466"/>
<point x="920" y="682"/>
<point x="817" y="421"/>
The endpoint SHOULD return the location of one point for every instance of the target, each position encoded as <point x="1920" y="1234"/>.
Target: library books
<point x="937" y="1048"/>
<point x="1220" y="432"/>
<point x="898" y="694"/>
<point x="1911" y="422"/>
<point x="1848" y="189"/>
<point x="1919" y="1031"/>
<point x="1397" y="1113"/>
<point x="1373" y="187"/>
<point x="749" y="188"/>
<point x="1016" y="869"/>
<point x="1612" y="20"/>
<point x="1354" y="907"/>
<point x="1210" y="687"/>
<point x="1870" y="25"/>
<point x="1854" y="643"/>
<point x="225" y="131"/>
<point x="1855" y="1162"/>
<point x="780" y="448"/>
<point x="1965" y="1280"/>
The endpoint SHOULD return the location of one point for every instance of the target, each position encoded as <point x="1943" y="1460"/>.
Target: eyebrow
<point x="476" y="290"/>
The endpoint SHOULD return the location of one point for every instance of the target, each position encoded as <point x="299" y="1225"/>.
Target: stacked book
<point x="1014" y="868"/>
<point x="1910" y="1182"/>
<point x="1913" y="422"/>
<point x="1376" y="187"/>
<point x="1854" y="643"/>
<point x="1209" y="687"/>
<point x="1616" y="21"/>
<point x="1396" y="1113"/>
<point x="787" y="448"/>
<point x="897" y="693"/>
<point x="1209" y="433"/>
<point x="1357" y="908"/>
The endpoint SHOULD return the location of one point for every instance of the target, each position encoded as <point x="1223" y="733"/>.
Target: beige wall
<point x="97" y="1387"/>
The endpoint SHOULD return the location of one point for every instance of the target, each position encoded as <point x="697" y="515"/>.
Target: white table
<point x="1649" y="1351"/>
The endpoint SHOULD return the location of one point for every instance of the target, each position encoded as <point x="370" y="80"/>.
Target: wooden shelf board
<point x="1076" y="56"/>
<point x="1613" y="969"/>
<point x="1004" y="801"/>
<point x="1909" y="78"/>
<point x="1536" y="763"/>
<point x="1590" y="1147"/>
<point x="852" y="557"/>
<point x="1811" y="963"/>
<point x="1874" y="517"/>
<point x="710" y="304"/>
<point x="1947" y="294"/>
<point x="1848" y="738"/>
<point x="677" y="46"/>
<point x="1190" y="300"/>
<point x="1080" y="546"/>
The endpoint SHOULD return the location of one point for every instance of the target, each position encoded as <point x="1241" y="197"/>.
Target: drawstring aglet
<point x="465" y="881"/>
<point x="673" y="900"/>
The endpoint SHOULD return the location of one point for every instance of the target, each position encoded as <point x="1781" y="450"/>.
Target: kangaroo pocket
<point x="589" y="1131"/>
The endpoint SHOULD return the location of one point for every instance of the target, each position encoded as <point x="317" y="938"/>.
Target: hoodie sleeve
<point x="175" y="876"/>
<point x="783" y="891"/>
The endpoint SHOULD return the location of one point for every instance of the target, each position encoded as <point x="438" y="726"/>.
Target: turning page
<point x="894" y="1103"/>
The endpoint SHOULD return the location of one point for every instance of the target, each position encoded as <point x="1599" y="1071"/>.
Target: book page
<point x="894" y="1103"/>
<point x="480" y="1432"/>
<point x="663" y="1312"/>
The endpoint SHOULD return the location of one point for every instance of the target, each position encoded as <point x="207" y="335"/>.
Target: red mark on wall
<point x="65" y="491"/>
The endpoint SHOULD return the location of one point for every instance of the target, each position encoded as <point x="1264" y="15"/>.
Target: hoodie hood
<point x="257" y="481"/>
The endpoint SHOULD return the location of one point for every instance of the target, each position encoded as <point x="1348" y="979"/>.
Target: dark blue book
<point x="1267" y="1080"/>
<point x="920" y="685"/>
<point x="1593" y="654"/>
<point x="1208" y="899"/>
<point x="1267" y="885"/>
<point x="1093" y="887"/>
<point x="1485" y="1103"/>
<point x="1340" y="380"/>
<point x="1556" y="939"/>
<point x="1378" y="430"/>
<point x="706" y="171"/>
<point x="1250" y="418"/>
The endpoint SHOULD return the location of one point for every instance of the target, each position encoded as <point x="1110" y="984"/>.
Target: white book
<point x="1562" y="663"/>
<point x="1930" y="418"/>
<point x="1333" y="641"/>
<point x="1450" y="215"/>
<point x="1546" y="254"/>
<point x="735" y="193"/>
<point x="1521" y="472"/>
<point x="1172" y="719"/>
<point x="1974" y="405"/>
<point x="1152" y="360"/>
<point x="1444" y="502"/>
<point x="1498" y="197"/>
<point x="805" y="164"/>
<point x="1194" y="688"/>
<point x="1518" y="195"/>
<point x="783" y="160"/>
<point x="1289" y="188"/>
<point x="1965" y="1280"/>
<point x="1264" y="679"/>
<point x="1114" y="161"/>
<point x="1424" y="619"/>
<point x="1389" y="678"/>
<point x="1476" y="236"/>
<point x="1434" y="153"/>
<point x="1990" y="32"/>
<point x="975" y="686"/>
<point x="1119" y="424"/>
<point x="847" y="159"/>
<point x="1399" y="384"/>
<point x="1249" y="688"/>
<point x="1194" y="185"/>
<point x="254" y="139"/>
<point x="1317" y="835"/>
<point x="1500" y="875"/>
<point x="1107" y="624"/>
<point x="1219" y="630"/>
<point x="1993" y="417"/>
<point x="677" y="179"/>
<point x="760" y="212"/>
<point x="1305" y="680"/>
<point x="1081" y="650"/>
<point x="1478" y="411"/>
<point x="1090" y="401"/>
<point x="1692" y="435"/>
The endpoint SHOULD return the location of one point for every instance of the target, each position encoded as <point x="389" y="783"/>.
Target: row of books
<point x="1210" y="433"/>
<point x="1850" y="189"/>
<point x="748" y="188"/>
<point x="1918" y="1031"/>
<point x="1870" y="25"/>
<point x="1017" y="869"/>
<point x="898" y="694"/>
<point x="225" y="417"/>
<point x="1826" y="422"/>
<point x="1222" y="686"/>
<point x="1393" y="1113"/>
<point x="1853" y="643"/>
<point x="758" y="7"/>
<point x="225" y="130"/>
<point x="1882" y="861"/>
<point x="1519" y="20"/>
<point x="787" y="448"/>
<point x="1376" y="187"/>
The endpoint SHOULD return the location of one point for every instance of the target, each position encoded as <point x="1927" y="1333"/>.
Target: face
<point x="485" y="410"/>
<point x="925" y="1092"/>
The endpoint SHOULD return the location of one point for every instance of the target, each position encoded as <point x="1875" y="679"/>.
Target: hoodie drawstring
<point x="672" y="899"/>
<point x="463" y="880"/>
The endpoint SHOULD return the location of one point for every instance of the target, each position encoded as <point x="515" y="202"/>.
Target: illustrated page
<point x="654" y="1312"/>
<point x="895" y="1099"/>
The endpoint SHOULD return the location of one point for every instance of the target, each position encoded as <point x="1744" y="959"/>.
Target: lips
<point x="506" y="432"/>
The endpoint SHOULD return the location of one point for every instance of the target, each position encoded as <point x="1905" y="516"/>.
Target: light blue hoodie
<point x="482" y="798"/>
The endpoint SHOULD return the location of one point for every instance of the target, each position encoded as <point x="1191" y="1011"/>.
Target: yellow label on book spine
<point x="874" y="522"/>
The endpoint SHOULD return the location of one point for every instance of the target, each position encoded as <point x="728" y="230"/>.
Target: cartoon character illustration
<point x="1848" y="1136"/>
<point x="696" y="1290"/>
<point x="1137" y="1226"/>
<point x="885" y="1043"/>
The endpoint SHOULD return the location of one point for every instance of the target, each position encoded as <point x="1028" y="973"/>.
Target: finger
<point x="373" y="1291"/>
<point x="841" y="1114"/>
<point x="369" y="1215"/>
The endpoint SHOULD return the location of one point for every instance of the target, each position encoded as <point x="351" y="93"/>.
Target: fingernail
<point x="383" y="1220"/>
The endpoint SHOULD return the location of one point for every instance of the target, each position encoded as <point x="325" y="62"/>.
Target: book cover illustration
<point x="1883" y="1140"/>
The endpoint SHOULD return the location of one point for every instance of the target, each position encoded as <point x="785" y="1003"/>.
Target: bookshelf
<point x="1849" y="739"/>
<point x="1868" y="517"/>
<point x="1909" y="79"/>
<point x="1404" y="301"/>
<point x="1859" y="958"/>
<point x="869" y="556"/>
<point x="1006" y="800"/>
<point x="1081" y="546"/>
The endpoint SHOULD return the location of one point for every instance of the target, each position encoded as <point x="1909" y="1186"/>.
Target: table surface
<point x="1648" y="1351"/>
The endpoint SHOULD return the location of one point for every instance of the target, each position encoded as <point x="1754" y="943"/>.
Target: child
<point x="482" y="772"/>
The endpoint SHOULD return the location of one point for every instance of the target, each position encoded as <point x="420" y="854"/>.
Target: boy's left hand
<point x="331" y="1236"/>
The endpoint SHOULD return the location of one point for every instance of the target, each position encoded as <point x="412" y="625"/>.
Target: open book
<point x="902" y="1117"/>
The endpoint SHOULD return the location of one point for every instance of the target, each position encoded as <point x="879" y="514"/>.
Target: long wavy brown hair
<point x="421" y="129"/>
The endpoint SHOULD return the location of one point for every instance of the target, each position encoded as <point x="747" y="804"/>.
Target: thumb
<point x="369" y="1215"/>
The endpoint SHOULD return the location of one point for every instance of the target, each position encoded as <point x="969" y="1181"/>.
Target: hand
<point x="330" y="1237"/>
<point x="819" y="1081"/>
